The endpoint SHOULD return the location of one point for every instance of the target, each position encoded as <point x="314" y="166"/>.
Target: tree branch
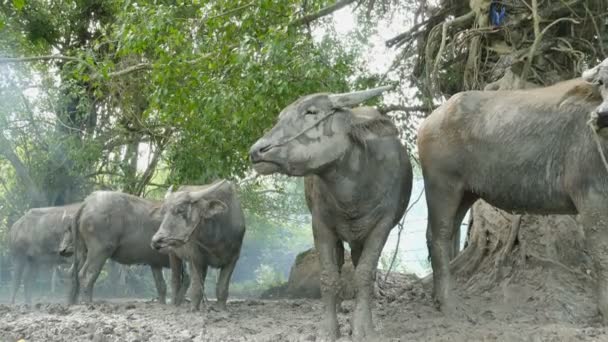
<point x="151" y="169"/>
<point x="125" y="71"/>
<point x="128" y="70"/>
<point x="6" y="60"/>
<point x="34" y="192"/>
<point x="537" y="40"/>
<point x="401" y="38"/>
<point x="229" y="12"/>
<point x="321" y="13"/>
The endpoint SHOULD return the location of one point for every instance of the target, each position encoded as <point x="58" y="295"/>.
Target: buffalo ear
<point x="213" y="207"/>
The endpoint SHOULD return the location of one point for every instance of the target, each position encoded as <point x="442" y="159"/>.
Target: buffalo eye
<point x="311" y="111"/>
<point x="180" y="210"/>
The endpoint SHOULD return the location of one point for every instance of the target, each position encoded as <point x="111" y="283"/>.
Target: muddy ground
<point x="532" y="311"/>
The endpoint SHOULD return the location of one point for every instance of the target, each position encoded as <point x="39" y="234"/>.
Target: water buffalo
<point x="523" y="151"/>
<point x="34" y="240"/>
<point x="118" y="226"/>
<point x="204" y="225"/>
<point x="358" y="180"/>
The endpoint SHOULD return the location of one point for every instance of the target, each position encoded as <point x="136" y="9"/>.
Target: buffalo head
<point x="311" y="133"/>
<point x="599" y="76"/>
<point x="183" y="212"/>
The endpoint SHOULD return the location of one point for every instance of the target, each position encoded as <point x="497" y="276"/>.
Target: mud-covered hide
<point x="304" y="277"/>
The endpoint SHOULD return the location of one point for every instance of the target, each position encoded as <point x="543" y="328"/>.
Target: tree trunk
<point x="545" y="272"/>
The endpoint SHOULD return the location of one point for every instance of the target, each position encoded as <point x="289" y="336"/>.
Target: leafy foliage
<point x="131" y="96"/>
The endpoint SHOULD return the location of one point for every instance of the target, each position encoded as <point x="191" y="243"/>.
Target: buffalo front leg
<point x="325" y="243"/>
<point x="179" y="279"/>
<point x="18" y="273"/>
<point x="159" y="281"/>
<point x="223" y="282"/>
<point x="197" y="284"/>
<point x="362" y="324"/>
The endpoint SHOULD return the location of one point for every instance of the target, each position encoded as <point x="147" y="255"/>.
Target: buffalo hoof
<point x="219" y="307"/>
<point x="364" y="336"/>
<point x="329" y="335"/>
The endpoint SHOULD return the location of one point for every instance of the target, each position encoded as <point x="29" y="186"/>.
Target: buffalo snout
<point x="257" y="151"/>
<point x="157" y="243"/>
<point x="602" y="115"/>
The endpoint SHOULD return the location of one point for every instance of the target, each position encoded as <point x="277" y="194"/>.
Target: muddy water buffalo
<point x="118" y="226"/>
<point x="523" y="151"/>
<point x="204" y="225"/>
<point x="358" y="180"/>
<point x="34" y="241"/>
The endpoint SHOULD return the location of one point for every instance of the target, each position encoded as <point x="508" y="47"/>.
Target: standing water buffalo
<point x="204" y="225"/>
<point x="523" y="151"/>
<point x="358" y="181"/>
<point x="118" y="226"/>
<point x="34" y="240"/>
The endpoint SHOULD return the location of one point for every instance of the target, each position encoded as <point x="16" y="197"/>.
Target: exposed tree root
<point x="504" y="254"/>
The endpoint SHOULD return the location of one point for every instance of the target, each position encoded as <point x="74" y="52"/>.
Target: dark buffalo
<point x="118" y="226"/>
<point x="523" y="151"/>
<point x="34" y="240"/>
<point x="204" y="225"/>
<point x="358" y="182"/>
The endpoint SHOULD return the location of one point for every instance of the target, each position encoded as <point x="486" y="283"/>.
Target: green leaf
<point x="19" y="4"/>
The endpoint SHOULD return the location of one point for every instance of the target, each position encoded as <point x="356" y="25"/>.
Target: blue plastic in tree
<point x="498" y="13"/>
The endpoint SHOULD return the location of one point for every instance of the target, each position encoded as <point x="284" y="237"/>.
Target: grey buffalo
<point x="358" y="180"/>
<point x="204" y="225"/>
<point x="34" y="240"/>
<point x="118" y="226"/>
<point x="523" y="151"/>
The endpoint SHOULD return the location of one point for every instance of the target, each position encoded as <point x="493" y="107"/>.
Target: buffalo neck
<point x="356" y="181"/>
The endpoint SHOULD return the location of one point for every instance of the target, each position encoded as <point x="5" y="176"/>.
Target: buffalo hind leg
<point x="325" y="243"/>
<point x="444" y="204"/>
<point x="223" y="282"/>
<point x="159" y="282"/>
<point x="362" y="325"/>
<point x="465" y="204"/>
<point x="455" y="241"/>
<point x="90" y="271"/>
<point x="594" y="219"/>
<point x="197" y="284"/>
<point x="18" y="273"/>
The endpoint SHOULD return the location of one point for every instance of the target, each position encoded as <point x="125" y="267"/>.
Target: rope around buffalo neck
<point x="307" y="128"/>
<point x="598" y="143"/>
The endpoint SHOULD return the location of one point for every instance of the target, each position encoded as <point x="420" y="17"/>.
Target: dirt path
<point x="524" y="313"/>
